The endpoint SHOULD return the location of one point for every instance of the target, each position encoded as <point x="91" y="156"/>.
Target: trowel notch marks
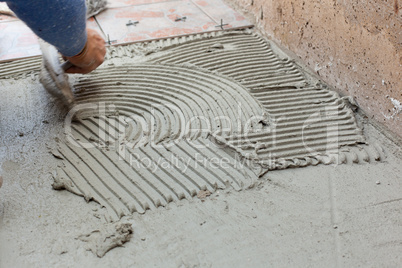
<point x="192" y="92"/>
<point x="287" y="96"/>
<point x="196" y="97"/>
<point x="299" y="123"/>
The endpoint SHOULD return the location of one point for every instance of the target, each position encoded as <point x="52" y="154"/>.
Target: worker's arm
<point x="62" y="23"/>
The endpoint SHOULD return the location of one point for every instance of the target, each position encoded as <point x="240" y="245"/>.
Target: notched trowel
<point x="53" y="76"/>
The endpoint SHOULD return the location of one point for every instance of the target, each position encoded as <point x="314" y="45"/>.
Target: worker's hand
<point x="91" y="56"/>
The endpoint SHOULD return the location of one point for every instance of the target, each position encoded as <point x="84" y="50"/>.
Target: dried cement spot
<point x="107" y="237"/>
<point x="396" y="110"/>
<point x="203" y="194"/>
<point x="397" y="107"/>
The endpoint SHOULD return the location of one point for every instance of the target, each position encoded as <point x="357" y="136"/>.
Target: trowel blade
<point x="52" y="75"/>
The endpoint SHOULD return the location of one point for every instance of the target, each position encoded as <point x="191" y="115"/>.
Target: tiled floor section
<point x="126" y="3"/>
<point x="217" y="10"/>
<point x="17" y="41"/>
<point x="157" y="19"/>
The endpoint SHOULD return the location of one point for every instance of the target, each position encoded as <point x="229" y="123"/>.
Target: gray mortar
<point x="94" y="7"/>
<point x="107" y="237"/>
<point x="203" y="78"/>
<point x="228" y="228"/>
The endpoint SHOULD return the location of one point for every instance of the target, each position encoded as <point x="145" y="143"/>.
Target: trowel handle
<point x="66" y="65"/>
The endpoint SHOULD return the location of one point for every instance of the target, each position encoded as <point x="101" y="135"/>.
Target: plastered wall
<point x="355" y="46"/>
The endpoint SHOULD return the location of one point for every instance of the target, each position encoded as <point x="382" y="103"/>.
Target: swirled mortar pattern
<point x="136" y="156"/>
<point x="309" y="124"/>
<point x="242" y="103"/>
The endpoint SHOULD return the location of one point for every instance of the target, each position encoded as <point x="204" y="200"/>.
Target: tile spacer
<point x="109" y="41"/>
<point x="180" y="19"/>
<point x="132" y="23"/>
<point x="221" y="25"/>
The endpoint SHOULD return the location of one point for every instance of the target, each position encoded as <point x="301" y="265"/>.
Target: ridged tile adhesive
<point x="202" y="112"/>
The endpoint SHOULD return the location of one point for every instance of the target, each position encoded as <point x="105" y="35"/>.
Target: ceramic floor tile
<point x="217" y="10"/>
<point x="125" y="3"/>
<point x="155" y="21"/>
<point x="17" y="41"/>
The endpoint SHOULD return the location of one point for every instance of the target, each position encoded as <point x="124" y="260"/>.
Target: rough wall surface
<point x="355" y="46"/>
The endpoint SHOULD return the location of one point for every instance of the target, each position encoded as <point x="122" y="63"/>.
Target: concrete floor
<point x="333" y="216"/>
<point x="321" y="216"/>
